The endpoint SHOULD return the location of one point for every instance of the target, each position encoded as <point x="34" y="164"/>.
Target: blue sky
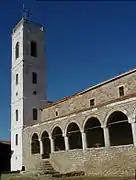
<point x="86" y="43"/>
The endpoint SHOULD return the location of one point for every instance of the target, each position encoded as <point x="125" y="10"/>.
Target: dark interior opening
<point x="58" y="138"/>
<point x="74" y="136"/>
<point x="94" y="133"/>
<point x="46" y="145"/>
<point x="119" y="129"/>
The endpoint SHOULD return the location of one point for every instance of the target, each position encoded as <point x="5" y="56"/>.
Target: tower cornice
<point x="24" y="21"/>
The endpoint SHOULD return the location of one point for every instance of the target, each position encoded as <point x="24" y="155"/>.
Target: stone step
<point x="70" y="174"/>
<point x="50" y="172"/>
<point x="46" y="162"/>
<point x="47" y="169"/>
<point x="46" y="166"/>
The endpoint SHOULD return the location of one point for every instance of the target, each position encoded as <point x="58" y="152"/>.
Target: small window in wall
<point x="16" y="115"/>
<point x="35" y="114"/>
<point x="91" y="102"/>
<point x="17" y="50"/>
<point x="121" y="91"/>
<point x="16" y="140"/>
<point x="33" y="49"/>
<point x="16" y="79"/>
<point x="56" y="113"/>
<point x="34" y="78"/>
<point x="34" y="92"/>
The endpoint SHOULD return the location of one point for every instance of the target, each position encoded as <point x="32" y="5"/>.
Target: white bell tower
<point x="28" y="86"/>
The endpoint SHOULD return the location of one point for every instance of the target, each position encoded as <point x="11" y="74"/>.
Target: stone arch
<point x="123" y="110"/>
<point x="119" y="129"/>
<point x="46" y="145"/>
<point x="133" y="115"/>
<point x="58" y="139"/>
<point x="94" y="132"/>
<point x="91" y="116"/>
<point x="53" y="127"/>
<point x="31" y="135"/>
<point x="74" y="136"/>
<point x="73" y="121"/>
<point x="41" y="133"/>
<point x="35" y="144"/>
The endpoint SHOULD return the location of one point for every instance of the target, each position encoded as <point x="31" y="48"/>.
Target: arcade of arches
<point x="118" y="131"/>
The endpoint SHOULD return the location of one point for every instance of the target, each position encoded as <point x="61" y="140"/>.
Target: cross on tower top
<point x="26" y="13"/>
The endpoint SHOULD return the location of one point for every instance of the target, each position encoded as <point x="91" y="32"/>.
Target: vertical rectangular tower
<point x="28" y="91"/>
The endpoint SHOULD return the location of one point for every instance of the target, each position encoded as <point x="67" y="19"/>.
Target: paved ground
<point x="72" y="178"/>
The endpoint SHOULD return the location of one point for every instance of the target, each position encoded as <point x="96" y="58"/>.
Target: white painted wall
<point x="25" y="101"/>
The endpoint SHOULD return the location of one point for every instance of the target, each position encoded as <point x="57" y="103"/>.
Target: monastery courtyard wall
<point x="94" y="131"/>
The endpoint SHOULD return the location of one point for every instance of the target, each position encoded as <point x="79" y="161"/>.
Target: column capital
<point x="104" y="126"/>
<point x="132" y="119"/>
<point x="50" y="136"/>
<point x="82" y="131"/>
<point x="64" y="134"/>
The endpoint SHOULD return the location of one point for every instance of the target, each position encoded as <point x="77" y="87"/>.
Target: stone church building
<point x="93" y="130"/>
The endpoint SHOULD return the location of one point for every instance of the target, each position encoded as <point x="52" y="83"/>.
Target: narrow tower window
<point x="56" y="113"/>
<point x="17" y="50"/>
<point x="34" y="78"/>
<point x="121" y="91"/>
<point x="16" y="140"/>
<point x="34" y="114"/>
<point x="16" y="79"/>
<point x="16" y="115"/>
<point x="33" y="49"/>
<point x="34" y="92"/>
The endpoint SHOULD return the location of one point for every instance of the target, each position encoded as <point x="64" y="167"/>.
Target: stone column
<point x="84" y="144"/>
<point x="106" y="136"/>
<point x="41" y="146"/>
<point x="133" y="125"/>
<point x="52" y="144"/>
<point x="66" y="142"/>
<point x="132" y="121"/>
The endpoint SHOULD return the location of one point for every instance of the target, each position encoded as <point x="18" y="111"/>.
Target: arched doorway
<point x="58" y="138"/>
<point x="35" y="144"/>
<point x="74" y="136"/>
<point x="94" y="133"/>
<point x="119" y="129"/>
<point x="46" y="145"/>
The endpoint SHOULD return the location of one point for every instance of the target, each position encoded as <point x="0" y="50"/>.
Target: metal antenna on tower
<point x="25" y="13"/>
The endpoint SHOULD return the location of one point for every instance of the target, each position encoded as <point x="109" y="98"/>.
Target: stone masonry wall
<point x="112" y="161"/>
<point x="102" y="113"/>
<point x="30" y="161"/>
<point x="101" y="94"/>
<point x="108" y="161"/>
<point x="102" y="161"/>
